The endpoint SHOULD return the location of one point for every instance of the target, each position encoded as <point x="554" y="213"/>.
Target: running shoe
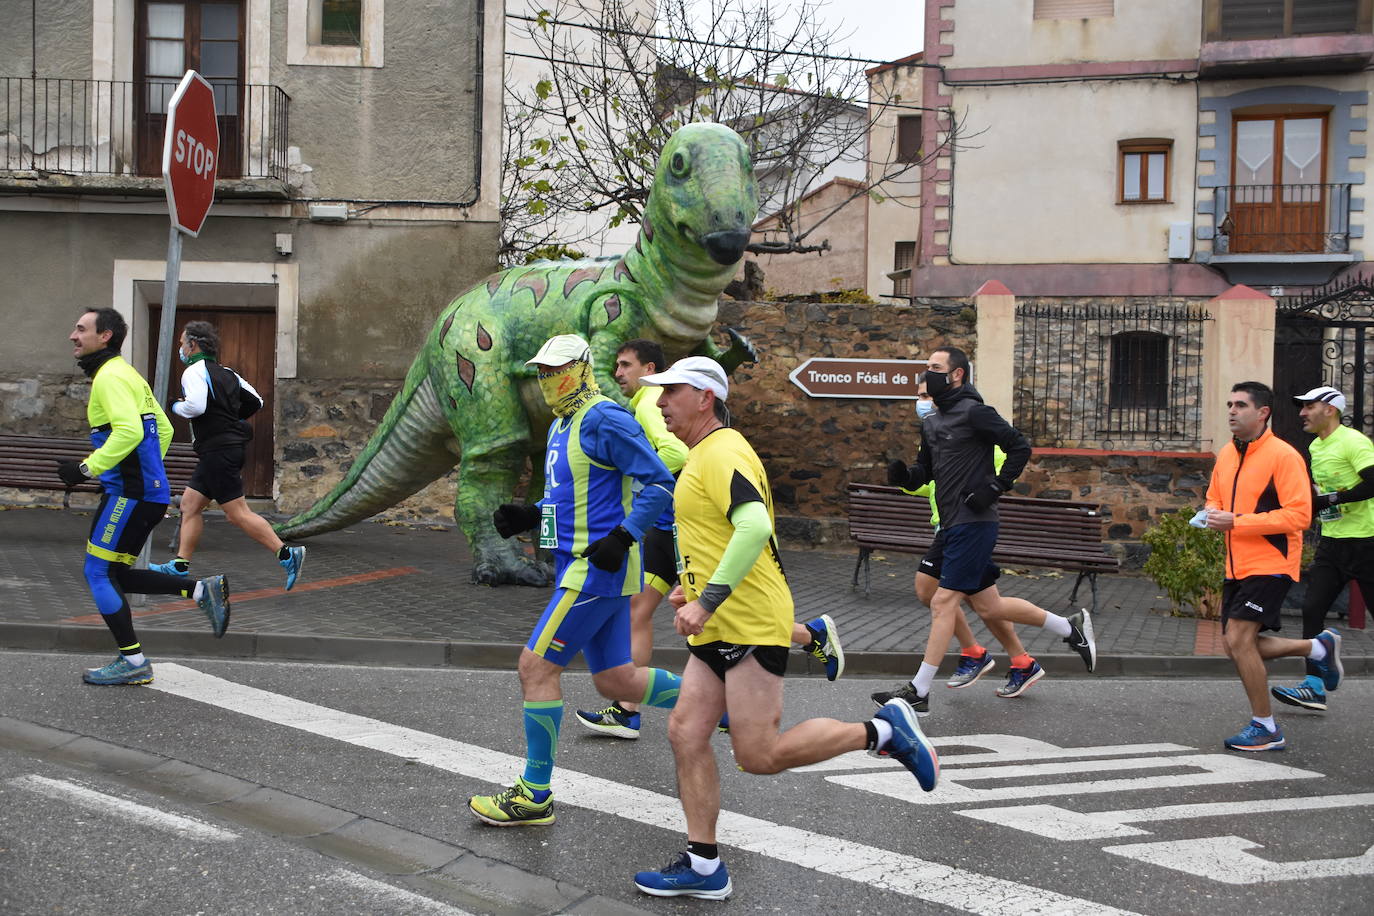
<point x="677" y="879"/>
<point x="909" y="744"/>
<point x="1330" y="668"/>
<point x="970" y="669"/>
<point x="119" y="672"/>
<point x="1020" y="680"/>
<point x="612" y="721"/>
<point x="723" y="726"/>
<point x="214" y="601"/>
<point x="825" y="646"/>
<point x="1255" y="737"/>
<point x="1080" y="638"/>
<point x="905" y="692"/>
<point x="1310" y="694"/>
<point x="293" y="564"/>
<point x="514" y="807"/>
<point x="168" y="569"/>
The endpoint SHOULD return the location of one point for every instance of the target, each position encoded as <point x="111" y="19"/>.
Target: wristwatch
<point x="85" y="469"/>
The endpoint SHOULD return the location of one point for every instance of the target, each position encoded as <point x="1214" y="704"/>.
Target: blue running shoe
<point x="612" y="721"/>
<point x="214" y="601"/>
<point x="909" y="744"/>
<point x="825" y="646"/>
<point x="1310" y="694"/>
<point x="119" y="672"/>
<point x="679" y="880"/>
<point x="971" y="669"/>
<point x="1255" y="737"/>
<point x="168" y="569"/>
<point x="1020" y="680"/>
<point x="293" y="564"/>
<point x="723" y="726"/>
<point x="1330" y="667"/>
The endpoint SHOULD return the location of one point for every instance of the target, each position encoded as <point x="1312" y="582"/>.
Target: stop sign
<point x="190" y="153"/>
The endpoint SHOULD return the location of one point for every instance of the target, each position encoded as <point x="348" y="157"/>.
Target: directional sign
<point x="190" y="153"/>
<point x="823" y="377"/>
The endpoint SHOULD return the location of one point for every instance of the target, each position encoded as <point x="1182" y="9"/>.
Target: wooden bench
<point x="1054" y="533"/>
<point x="31" y="462"/>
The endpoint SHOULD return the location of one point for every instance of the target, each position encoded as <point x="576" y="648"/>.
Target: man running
<point x="130" y="435"/>
<point x="734" y="606"/>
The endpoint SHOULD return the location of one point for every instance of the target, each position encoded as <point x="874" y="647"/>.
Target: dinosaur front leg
<point x="485" y="482"/>
<point x="741" y="351"/>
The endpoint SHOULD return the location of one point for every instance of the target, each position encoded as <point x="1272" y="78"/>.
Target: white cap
<point x="1326" y="394"/>
<point x="700" y="372"/>
<point x="564" y="348"/>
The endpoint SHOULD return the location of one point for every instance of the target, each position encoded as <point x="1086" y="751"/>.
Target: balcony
<point x="1288" y="231"/>
<point x="1251" y="38"/>
<point x="104" y="136"/>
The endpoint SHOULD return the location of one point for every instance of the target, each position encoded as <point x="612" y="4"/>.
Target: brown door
<point x="172" y="38"/>
<point x="1280" y="198"/>
<point x="248" y="340"/>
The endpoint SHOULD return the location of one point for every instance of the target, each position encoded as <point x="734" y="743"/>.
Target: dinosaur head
<point x="704" y="197"/>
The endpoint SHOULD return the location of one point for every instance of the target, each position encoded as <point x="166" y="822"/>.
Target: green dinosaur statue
<point x="469" y="382"/>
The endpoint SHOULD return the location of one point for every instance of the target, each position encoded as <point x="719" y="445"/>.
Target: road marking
<point x="172" y="607"/>
<point x="1000" y="749"/>
<point x="868" y="865"/>
<point x="1226" y="859"/>
<point x="382" y="892"/>
<point x="1062" y="824"/>
<point x="121" y="808"/>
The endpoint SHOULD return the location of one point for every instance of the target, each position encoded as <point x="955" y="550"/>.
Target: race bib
<point x="548" y="526"/>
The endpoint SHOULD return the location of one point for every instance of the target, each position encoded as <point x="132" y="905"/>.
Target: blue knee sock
<point x="662" y="690"/>
<point x="542" y="721"/>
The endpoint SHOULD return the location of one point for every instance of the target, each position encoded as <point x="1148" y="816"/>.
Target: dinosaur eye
<point x="678" y="165"/>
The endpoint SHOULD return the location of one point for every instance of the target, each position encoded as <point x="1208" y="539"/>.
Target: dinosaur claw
<point x="741" y="351"/>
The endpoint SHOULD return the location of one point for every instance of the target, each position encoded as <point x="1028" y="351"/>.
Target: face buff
<point x="569" y="390"/>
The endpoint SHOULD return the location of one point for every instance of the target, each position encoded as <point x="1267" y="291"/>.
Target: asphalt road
<point x="314" y="789"/>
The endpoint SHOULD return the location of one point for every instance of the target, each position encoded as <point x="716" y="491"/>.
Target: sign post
<point x="824" y="377"/>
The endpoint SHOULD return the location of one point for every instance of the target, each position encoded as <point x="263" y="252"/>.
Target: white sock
<point x="136" y="659"/>
<point x="200" y="590"/>
<point x="884" y="728"/>
<point x="703" y="866"/>
<point x="925" y="676"/>
<point x="1056" y="624"/>
<point x="1318" y="650"/>
<point x="1267" y="722"/>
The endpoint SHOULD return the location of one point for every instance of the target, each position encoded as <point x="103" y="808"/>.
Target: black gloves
<point x="898" y="474"/>
<point x="513" y="518"/>
<point x="608" y="553"/>
<point x="70" y="472"/>
<point x="981" y="497"/>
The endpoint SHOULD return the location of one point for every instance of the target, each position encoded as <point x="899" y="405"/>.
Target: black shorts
<point x="660" y="560"/>
<point x="1254" y="598"/>
<point x="934" y="560"/>
<point x="219" y="474"/>
<point x="720" y="657"/>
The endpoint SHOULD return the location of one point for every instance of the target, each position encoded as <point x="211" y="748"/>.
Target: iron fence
<point x="114" y="128"/>
<point x="1110" y="376"/>
<point x="1283" y="219"/>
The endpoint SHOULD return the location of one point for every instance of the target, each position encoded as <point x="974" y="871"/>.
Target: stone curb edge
<point x="420" y="863"/>
<point x="436" y="653"/>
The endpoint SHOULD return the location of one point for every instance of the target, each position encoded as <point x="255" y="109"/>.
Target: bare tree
<point x="617" y="81"/>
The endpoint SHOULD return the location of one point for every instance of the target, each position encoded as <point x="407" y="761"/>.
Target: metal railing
<point x="1109" y="376"/>
<point x="1283" y="219"/>
<point x="114" y="128"/>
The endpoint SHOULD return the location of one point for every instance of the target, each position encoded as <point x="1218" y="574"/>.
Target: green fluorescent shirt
<point x="644" y="405"/>
<point x="1336" y="464"/>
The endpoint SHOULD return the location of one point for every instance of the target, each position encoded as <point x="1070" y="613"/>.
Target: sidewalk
<point x="390" y="594"/>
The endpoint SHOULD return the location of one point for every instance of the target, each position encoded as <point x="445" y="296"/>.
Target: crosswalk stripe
<point x="868" y="865"/>
<point x="125" y="810"/>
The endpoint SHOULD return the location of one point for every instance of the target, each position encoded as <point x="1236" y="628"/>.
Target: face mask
<point x="936" y="383"/>
<point x="181" y="354"/>
<point x="925" y="408"/>
<point x="565" y="392"/>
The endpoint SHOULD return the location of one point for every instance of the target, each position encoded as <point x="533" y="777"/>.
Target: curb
<point x="437" y="653"/>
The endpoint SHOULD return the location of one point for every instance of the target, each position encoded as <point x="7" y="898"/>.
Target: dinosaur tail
<point x="409" y="450"/>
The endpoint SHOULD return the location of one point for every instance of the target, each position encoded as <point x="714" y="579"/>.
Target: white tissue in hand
<point x="1199" y="520"/>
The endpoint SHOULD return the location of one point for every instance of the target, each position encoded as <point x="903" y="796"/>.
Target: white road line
<point x="1001" y="749"/>
<point x="381" y="892"/>
<point x="1228" y="859"/>
<point x="881" y="868"/>
<point x="79" y="795"/>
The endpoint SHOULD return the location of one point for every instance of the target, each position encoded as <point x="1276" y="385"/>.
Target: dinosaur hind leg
<point x="495" y="561"/>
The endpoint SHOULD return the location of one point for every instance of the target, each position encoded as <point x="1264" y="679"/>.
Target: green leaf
<point x="543" y="88"/>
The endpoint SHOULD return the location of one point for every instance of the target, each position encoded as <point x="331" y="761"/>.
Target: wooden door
<point x="248" y="339"/>
<point x="1280" y="197"/>
<point x="172" y="38"/>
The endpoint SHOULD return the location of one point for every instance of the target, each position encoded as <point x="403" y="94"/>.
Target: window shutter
<point x="1073" y="9"/>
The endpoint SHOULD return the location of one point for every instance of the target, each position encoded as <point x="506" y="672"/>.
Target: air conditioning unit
<point x="328" y="213"/>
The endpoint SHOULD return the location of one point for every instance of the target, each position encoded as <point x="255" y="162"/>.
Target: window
<point x="334" y="33"/>
<point x="1232" y="20"/>
<point x="340" y="23"/>
<point x="1072" y="9"/>
<point x="908" y="138"/>
<point x="903" y="256"/>
<point x="1140" y="371"/>
<point x="1144" y="171"/>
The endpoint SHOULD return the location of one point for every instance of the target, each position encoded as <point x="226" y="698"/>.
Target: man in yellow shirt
<point x="734" y="605"/>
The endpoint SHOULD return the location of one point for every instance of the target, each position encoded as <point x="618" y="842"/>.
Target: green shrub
<point x="1187" y="563"/>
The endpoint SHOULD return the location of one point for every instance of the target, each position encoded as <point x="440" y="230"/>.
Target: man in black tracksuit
<point x="957" y="454"/>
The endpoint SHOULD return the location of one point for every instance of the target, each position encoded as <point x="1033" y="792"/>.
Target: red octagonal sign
<point x="190" y="153"/>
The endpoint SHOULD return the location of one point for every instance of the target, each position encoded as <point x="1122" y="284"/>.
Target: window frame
<point x="900" y="248"/>
<point x="909" y="155"/>
<point x="1143" y="147"/>
<point x="1212" y="19"/>
<point x="303" y="15"/>
<point x="1128" y="387"/>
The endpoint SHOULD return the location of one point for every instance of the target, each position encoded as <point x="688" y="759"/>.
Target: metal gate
<point x="1325" y="338"/>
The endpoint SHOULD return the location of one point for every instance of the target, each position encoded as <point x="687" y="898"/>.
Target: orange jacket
<point x="1265" y="484"/>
